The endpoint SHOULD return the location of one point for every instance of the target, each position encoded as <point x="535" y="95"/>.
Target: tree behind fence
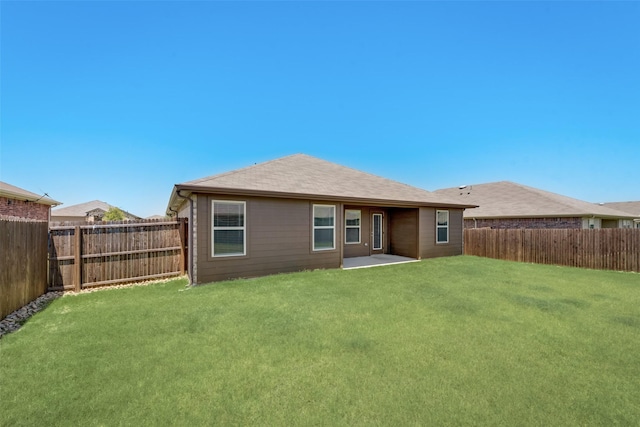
<point x="604" y="249"/>
<point x="83" y="256"/>
<point x="23" y="263"/>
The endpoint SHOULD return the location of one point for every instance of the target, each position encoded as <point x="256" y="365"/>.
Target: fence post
<point x="77" y="268"/>
<point x="181" y="230"/>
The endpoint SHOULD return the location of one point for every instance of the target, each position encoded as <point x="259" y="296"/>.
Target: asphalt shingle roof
<point x="632" y="208"/>
<point x="304" y="175"/>
<point x="507" y="199"/>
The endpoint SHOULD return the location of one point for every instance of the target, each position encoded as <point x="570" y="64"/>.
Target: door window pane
<point x="377" y="231"/>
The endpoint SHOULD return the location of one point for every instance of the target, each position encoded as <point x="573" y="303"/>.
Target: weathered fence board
<point x="23" y="263"/>
<point x="603" y="249"/>
<point x="82" y="256"/>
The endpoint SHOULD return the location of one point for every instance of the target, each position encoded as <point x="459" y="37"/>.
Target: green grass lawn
<point x="459" y="340"/>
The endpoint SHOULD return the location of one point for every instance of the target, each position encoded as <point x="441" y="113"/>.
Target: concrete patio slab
<point x="374" y="261"/>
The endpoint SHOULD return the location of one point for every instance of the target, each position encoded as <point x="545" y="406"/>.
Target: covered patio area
<point x="374" y="261"/>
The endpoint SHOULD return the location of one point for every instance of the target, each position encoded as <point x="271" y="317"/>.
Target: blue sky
<point x="118" y="100"/>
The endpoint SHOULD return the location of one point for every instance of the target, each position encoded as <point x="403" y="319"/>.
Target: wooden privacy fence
<point x="84" y="256"/>
<point x="603" y="249"/>
<point x="23" y="263"/>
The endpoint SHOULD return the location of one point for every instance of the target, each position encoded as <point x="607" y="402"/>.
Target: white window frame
<point x="346" y="227"/>
<point x="243" y="228"/>
<point x="438" y="227"/>
<point x="315" y="227"/>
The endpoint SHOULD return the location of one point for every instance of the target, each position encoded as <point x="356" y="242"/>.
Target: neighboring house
<point x="85" y="212"/>
<point x="632" y="208"/>
<point x="302" y="213"/>
<point x="16" y="202"/>
<point x="507" y="204"/>
<point x="156" y="217"/>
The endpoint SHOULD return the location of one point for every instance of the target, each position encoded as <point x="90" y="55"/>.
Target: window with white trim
<point x="228" y="235"/>
<point x="352" y="219"/>
<point x="324" y="229"/>
<point x="442" y="226"/>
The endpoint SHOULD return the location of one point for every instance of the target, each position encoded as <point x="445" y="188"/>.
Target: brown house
<point x="302" y="213"/>
<point x="508" y="204"/>
<point x="16" y="202"/>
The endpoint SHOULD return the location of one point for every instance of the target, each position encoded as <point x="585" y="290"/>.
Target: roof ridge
<point x="368" y="173"/>
<point x="242" y="169"/>
<point x="560" y="201"/>
<point x="309" y="157"/>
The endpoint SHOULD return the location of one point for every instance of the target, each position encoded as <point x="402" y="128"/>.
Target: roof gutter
<point x="174" y="201"/>
<point x="18" y="196"/>
<point x="305" y="196"/>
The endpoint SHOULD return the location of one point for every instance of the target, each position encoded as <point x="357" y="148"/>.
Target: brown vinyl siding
<point x="279" y="237"/>
<point x="427" y="240"/>
<point x="278" y="240"/>
<point x="359" y="249"/>
<point x="404" y="232"/>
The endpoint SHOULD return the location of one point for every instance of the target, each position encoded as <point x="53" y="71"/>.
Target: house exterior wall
<point x="278" y="240"/>
<point x="503" y="223"/>
<point x="611" y="223"/>
<point x="591" y="223"/>
<point x="55" y="218"/>
<point x="186" y="212"/>
<point x="24" y="209"/>
<point x="404" y="232"/>
<point x="363" y="248"/>
<point x="428" y="248"/>
<point x="279" y="237"/>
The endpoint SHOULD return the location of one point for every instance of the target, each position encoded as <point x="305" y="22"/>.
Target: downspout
<point x="190" y="243"/>
<point x="189" y="237"/>
<point x="475" y="223"/>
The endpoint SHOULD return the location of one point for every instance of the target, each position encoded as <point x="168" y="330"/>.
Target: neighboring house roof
<point x="156" y="217"/>
<point x="302" y="176"/>
<point x="12" y="192"/>
<point x="82" y="209"/>
<point x="632" y="208"/>
<point x="507" y="199"/>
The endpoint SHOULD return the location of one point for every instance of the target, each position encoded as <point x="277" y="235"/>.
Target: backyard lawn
<point x="460" y="340"/>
